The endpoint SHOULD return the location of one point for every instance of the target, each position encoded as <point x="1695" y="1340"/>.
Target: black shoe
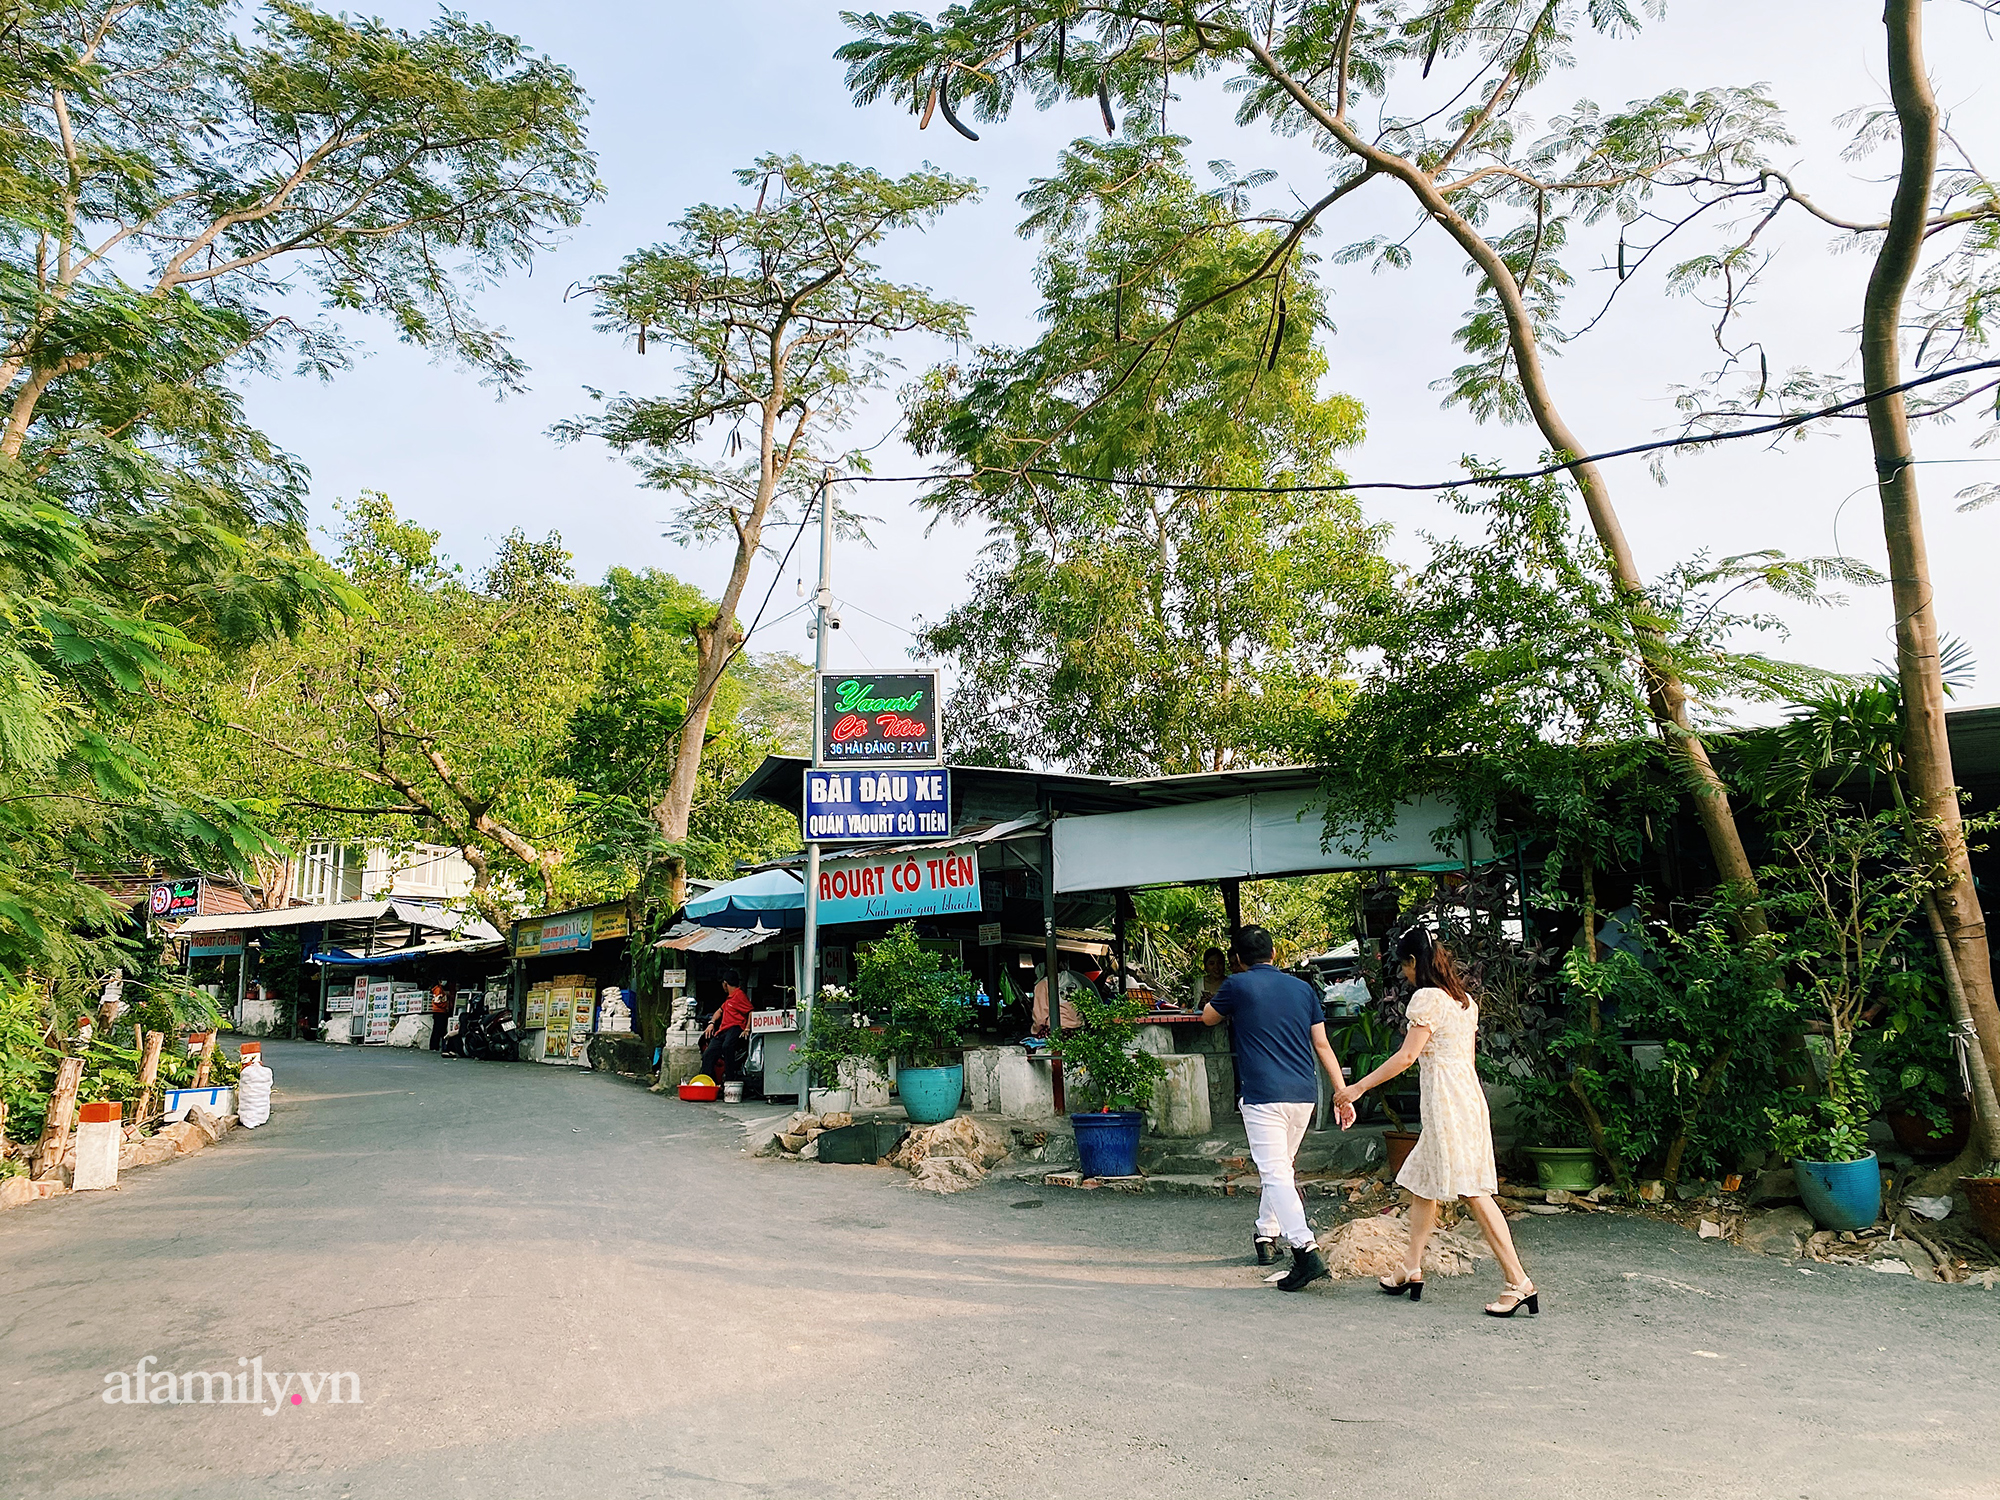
<point x="1308" y="1266"/>
<point x="1267" y="1251"/>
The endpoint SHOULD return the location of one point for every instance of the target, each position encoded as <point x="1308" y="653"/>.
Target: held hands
<point x="1343" y="1114"/>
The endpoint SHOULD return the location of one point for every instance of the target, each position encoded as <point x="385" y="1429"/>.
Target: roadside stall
<point x="378" y="961"/>
<point x="572" y="980"/>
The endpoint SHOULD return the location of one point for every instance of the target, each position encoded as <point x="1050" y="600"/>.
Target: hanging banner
<point x="887" y="717"/>
<point x="216" y="945"/>
<point x="870" y="806"/>
<point x="897" y="886"/>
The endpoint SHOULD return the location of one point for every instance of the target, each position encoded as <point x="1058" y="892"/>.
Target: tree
<point x="162" y="177"/>
<point x="779" y="320"/>
<point x="440" y="709"/>
<point x="1956" y="208"/>
<point x="623" y="740"/>
<point x="1507" y="199"/>
<point x="1133" y="628"/>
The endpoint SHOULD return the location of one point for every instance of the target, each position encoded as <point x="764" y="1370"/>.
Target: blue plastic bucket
<point x="1107" y="1143"/>
<point x="1841" y="1194"/>
<point x="930" y="1094"/>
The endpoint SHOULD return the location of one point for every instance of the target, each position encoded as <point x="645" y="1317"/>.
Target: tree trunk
<point x="715" y="643"/>
<point x="1666" y="695"/>
<point x="1926" y="750"/>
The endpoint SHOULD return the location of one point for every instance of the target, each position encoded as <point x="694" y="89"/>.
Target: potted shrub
<point x="922" y="1004"/>
<point x="834" y="1036"/>
<point x="1849" y="889"/>
<point x="1106" y="1049"/>
<point x="1924" y="1102"/>
<point x="1548" y="1117"/>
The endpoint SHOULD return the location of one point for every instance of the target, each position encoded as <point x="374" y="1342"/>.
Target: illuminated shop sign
<point x="886" y="717"/>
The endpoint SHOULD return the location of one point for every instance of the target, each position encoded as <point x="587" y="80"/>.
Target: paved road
<point x="553" y="1284"/>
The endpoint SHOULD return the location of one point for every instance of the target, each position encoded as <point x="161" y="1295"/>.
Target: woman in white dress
<point x="1453" y="1158"/>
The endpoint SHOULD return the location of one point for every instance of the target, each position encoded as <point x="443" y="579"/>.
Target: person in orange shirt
<point x="440" y="1015"/>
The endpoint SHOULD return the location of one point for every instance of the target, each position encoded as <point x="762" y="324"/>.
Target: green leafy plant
<point x="833" y="1036"/>
<point x="1846" y="889"/>
<point x="1106" y="1048"/>
<point x="918" y="996"/>
<point x="1366" y="1043"/>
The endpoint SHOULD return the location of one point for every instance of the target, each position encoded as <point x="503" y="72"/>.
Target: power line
<point x="1785" y="424"/>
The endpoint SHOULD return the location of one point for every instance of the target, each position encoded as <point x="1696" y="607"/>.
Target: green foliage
<point x="832" y="1037"/>
<point x="916" y="995"/>
<point x="1303" y="68"/>
<point x="620" y="742"/>
<point x="1121" y="630"/>
<point x="779" y="320"/>
<point x="1716" y="1007"/>
<point x="1508" y="672"/>
<point x="167" y="177"/>
<point x="1908" y="1054"/>
<point x="27" y="1063"/>
<point x="1107" y="1048"/>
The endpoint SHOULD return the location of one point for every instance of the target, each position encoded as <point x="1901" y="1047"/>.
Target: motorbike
<point x="484" y="1035"/>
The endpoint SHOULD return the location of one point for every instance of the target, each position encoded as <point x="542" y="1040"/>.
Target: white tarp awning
<point x="1239" y="838"/>
<point x="407" y="913"/>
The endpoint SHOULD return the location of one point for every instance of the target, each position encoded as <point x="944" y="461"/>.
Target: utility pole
<point x="822" y="603"/>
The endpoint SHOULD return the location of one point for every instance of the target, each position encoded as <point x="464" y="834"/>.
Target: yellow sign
<point x="528" y="940"/>
<point x="608" y="922"/>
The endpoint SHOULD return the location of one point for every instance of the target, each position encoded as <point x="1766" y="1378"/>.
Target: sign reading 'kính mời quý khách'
<point x="890" y="717"/>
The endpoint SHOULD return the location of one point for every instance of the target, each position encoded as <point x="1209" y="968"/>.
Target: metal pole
<point x="1051" y="977"/>
<point x="822" y="598"/>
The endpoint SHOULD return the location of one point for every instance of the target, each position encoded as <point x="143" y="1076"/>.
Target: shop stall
<point x="572" y="980"/>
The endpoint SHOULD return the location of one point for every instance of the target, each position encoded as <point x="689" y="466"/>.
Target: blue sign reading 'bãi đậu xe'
<point x="864" y="807"/>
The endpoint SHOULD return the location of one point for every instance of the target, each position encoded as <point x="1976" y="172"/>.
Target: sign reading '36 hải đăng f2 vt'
<point x="889" y="717"/>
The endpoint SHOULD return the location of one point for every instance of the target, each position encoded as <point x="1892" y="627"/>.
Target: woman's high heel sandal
<point x="1515" y="1298"/>
<point x="1405" y="1282"/>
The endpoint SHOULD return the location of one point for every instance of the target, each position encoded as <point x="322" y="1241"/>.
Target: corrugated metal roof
<point x="690" y="937"/>
<point x="408" y="913"/>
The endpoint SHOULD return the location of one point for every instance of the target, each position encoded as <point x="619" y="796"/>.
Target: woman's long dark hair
<point x="1435" y="970"/>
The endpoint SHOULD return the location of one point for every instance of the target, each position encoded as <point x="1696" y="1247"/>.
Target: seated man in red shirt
<point x="725" y="1027"/>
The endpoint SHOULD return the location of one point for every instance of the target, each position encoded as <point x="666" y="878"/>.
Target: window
<point x="332" y="873"/>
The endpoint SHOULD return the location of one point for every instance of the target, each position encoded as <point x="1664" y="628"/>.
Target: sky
<point x="682" y="94"/>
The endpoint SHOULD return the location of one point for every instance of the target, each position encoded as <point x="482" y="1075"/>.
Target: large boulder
<point x="1779" y="1231"/>
<point x="951" y="1156"/>
<point x="1376" y="1246"/>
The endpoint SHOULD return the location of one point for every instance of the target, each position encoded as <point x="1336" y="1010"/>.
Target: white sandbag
<point x="253" y="1096"/>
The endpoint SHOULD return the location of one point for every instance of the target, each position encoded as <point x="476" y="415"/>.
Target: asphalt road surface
<point x="548" y="1283"/>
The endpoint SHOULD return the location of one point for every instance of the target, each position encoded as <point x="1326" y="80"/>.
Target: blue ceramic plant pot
<point x="930" y="1094"/>
<point x="1107" y="1143"/>
<point x="1841" y="1195"/>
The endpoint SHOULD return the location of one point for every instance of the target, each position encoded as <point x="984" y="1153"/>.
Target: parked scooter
<point x="484" y="1035"/>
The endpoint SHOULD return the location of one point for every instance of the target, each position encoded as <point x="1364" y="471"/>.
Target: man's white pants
<point x="1275" y="1131"/>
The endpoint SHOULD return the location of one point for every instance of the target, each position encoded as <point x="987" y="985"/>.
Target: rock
<point x="1909" y="1254"/>
<point x="1708" y="1229"/>
<point x="208" y="1123"/>
<point x="811" y="1151"/>
<point x="837" y="1120"/>
<point x="1558" y="1197"/>
<point x="1545" y="1208"/>
<point x="1780" y="1231"/>
<point x="946" y="1174"/>
<point x="793" y="1144"/>
<point x="1777" y="1185"/>
<point x="1376" y="1246"/>
<point x="1653" y="1191"/>
<point x="1889" y="1266"/>
<point x="15" y="1191"/>
<point x="798" y="1123"/>
<point x="772" y="1146"/>
<point x="814" y="1132"/>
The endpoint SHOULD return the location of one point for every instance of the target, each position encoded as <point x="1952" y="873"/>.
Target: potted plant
<point x="1547" y="1115"/>
<point x="1106" y="1049"/>
<point x="1849" y="889"/>
<point x="834" y="1035"/>
<point x="1924" y="1102"/>
<point x="923" y="1005"/>
<point x="1369" y="1042"/>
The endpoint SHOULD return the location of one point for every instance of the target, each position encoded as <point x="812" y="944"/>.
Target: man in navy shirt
<point x="1279" y="1029"/>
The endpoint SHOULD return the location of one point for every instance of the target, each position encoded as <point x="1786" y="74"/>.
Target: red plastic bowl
<point x="700" y="1091"/>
